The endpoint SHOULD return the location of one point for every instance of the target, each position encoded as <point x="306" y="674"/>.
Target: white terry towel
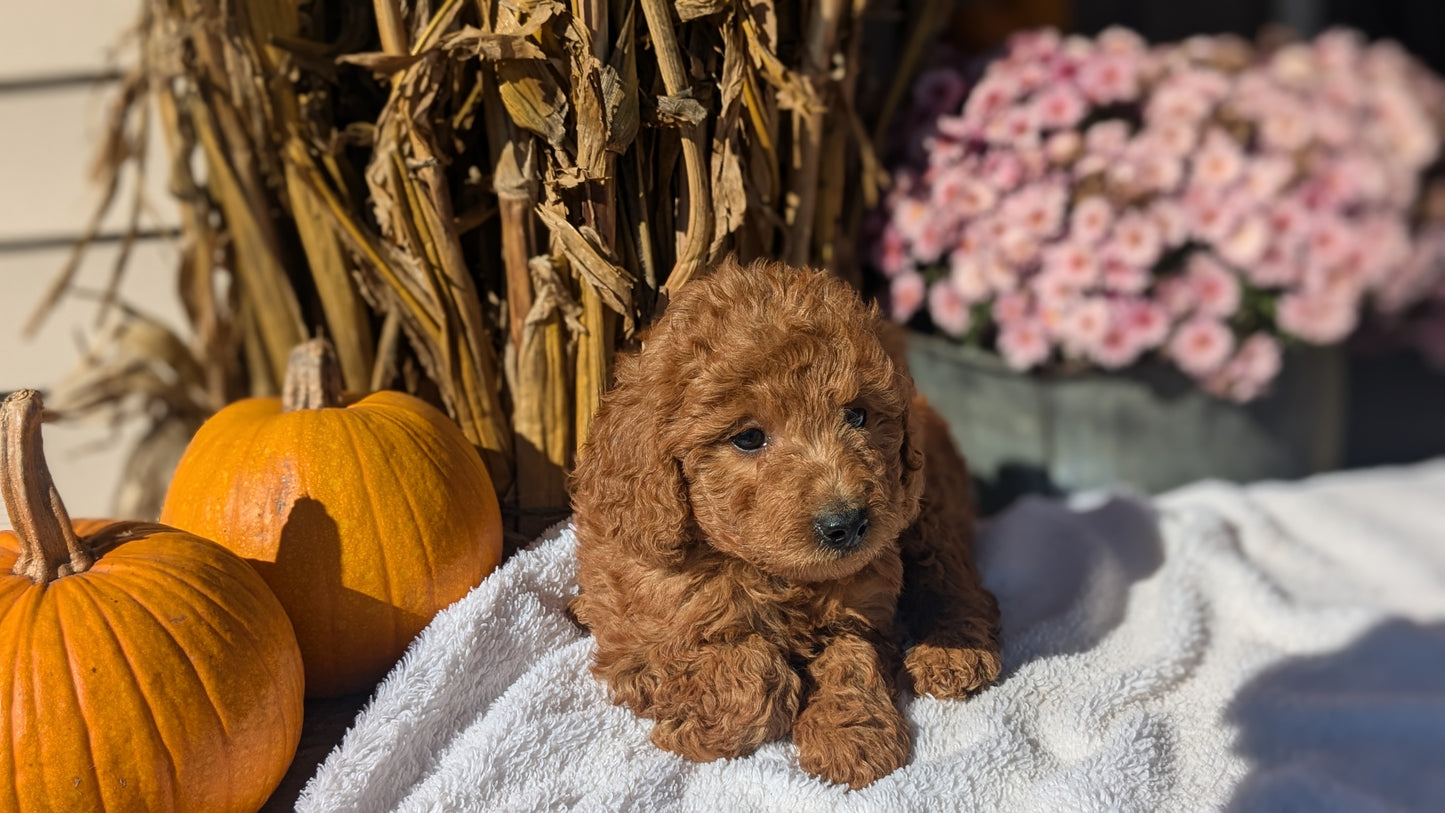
<point x="1272" y="647"/>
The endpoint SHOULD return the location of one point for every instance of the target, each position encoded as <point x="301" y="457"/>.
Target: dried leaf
<point x="612" y="282"/>
<point x="537" y="13"/>
<point x="551" y="297"/>
<point x="588" y="107"/>
<point x="382" y="64"/>
<point x="792" y="91"/>
<point x="620" y="105"/>
<point x="533" y="98"/>
<point x="680" y="111"/>
<point x="729" y="198"/>
<point x="474" y="42"/>
<point x="516" y="174"/>
<point x="688" y="10"/>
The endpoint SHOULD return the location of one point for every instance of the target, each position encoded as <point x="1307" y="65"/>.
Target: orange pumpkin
<point x="141" y="668"/>
<point x="365" y="517"/>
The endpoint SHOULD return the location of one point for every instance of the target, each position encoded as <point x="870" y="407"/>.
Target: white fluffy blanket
<point x="1273" y="647"/>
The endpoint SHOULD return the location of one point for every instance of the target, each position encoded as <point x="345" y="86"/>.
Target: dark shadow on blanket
<point x="1359" y="729"/>
<point x="1062" y="576"/>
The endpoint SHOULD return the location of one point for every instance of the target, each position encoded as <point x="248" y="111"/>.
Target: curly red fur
<point x="718" y="611"/>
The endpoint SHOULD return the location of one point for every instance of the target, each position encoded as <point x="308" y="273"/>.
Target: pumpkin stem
<point x="49" y="547"/>
<point x="313" y="377"/>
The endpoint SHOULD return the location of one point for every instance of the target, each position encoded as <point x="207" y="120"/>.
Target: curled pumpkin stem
<point x="49" y="547"/>
<point x="313" y="377"/>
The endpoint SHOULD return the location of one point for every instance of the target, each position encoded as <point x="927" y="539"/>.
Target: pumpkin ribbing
<point x="365" y="519"/>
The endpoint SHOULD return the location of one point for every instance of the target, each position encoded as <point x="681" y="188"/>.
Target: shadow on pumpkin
<point x="349" y="639"/>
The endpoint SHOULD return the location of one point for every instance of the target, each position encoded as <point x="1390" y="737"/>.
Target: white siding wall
<point x="52" y="114"/>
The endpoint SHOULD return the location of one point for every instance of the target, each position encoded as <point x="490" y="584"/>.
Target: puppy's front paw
<point x="725" y="702"/>
<point x="696" y="739"/>
<point x="951" y="670"/>
<point x="851" y="746"/>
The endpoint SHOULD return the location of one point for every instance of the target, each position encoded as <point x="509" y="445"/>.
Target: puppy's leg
<point x="849" y="731"/>
<point x="710" y="701"/>
<point x="951" y="617"/>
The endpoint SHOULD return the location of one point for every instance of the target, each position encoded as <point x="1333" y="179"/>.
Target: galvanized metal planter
<point x="1148" y="427"/>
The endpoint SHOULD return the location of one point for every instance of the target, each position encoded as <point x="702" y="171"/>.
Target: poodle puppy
<point x="767" y="518"/>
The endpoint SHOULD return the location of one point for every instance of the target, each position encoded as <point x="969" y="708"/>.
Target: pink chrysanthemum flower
<point x="1172" y="219"/>
<point x="1107" y="138"/>
<point x="1259" y="359"/>
<point x="1135" y="240"/>
<point x="1115" y="349"/>
<point x="960" y="194"/>
<point x="1107" y="78"/>
<point x="1218" y="162"/>
<point x="1091" y="220"/>
<point x="1011" y="307"/>
<point x="890" y="253"/>
<point x="910" y="217"/>
<point x="1037" y="209"/>
<point x="1173" y="136"/>
<point x="1084" y="325"/>
<point x="1319" y="318"/>
<point x="1213" y="288"/>
<point x="948" y="310"/>
<point x="1248" y="375"/>
<point x="1285" y="126"/>
<point x="1023" y="344"/>
<point x="928" y="242"/>
<point x="1146" y="323"/>
<point x="1246" y="242"/>
<point x="906" y="293"/>
<point x="966" y="275"/>
<point x="1072" y="263"/>
<point x="1201" y="345"/>
<point x="1267" y="175"/>
<point x="1124" y="278"/>
<point x="993" y="94"/>
<point x="1059" y="106"/>
<point x="1278" y="265"/>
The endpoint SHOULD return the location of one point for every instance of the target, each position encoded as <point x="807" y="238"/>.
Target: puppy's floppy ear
<point x="628" y="491"/>
<point x="895" y="344"/>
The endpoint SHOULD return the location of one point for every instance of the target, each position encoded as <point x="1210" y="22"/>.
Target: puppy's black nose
<point x="841" y="529"/>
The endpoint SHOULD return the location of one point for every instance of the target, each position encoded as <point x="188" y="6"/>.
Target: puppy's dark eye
<point x="856" y="417"/>
<point x="750" y="440"/>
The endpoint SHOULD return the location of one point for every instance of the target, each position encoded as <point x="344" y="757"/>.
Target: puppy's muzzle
<point x="842" y="529"/>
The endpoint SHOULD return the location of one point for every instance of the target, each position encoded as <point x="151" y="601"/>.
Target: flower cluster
<point x="1091" y="201"/>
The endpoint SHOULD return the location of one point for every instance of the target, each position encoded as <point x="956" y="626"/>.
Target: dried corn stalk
<point x="481" y="201"/>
